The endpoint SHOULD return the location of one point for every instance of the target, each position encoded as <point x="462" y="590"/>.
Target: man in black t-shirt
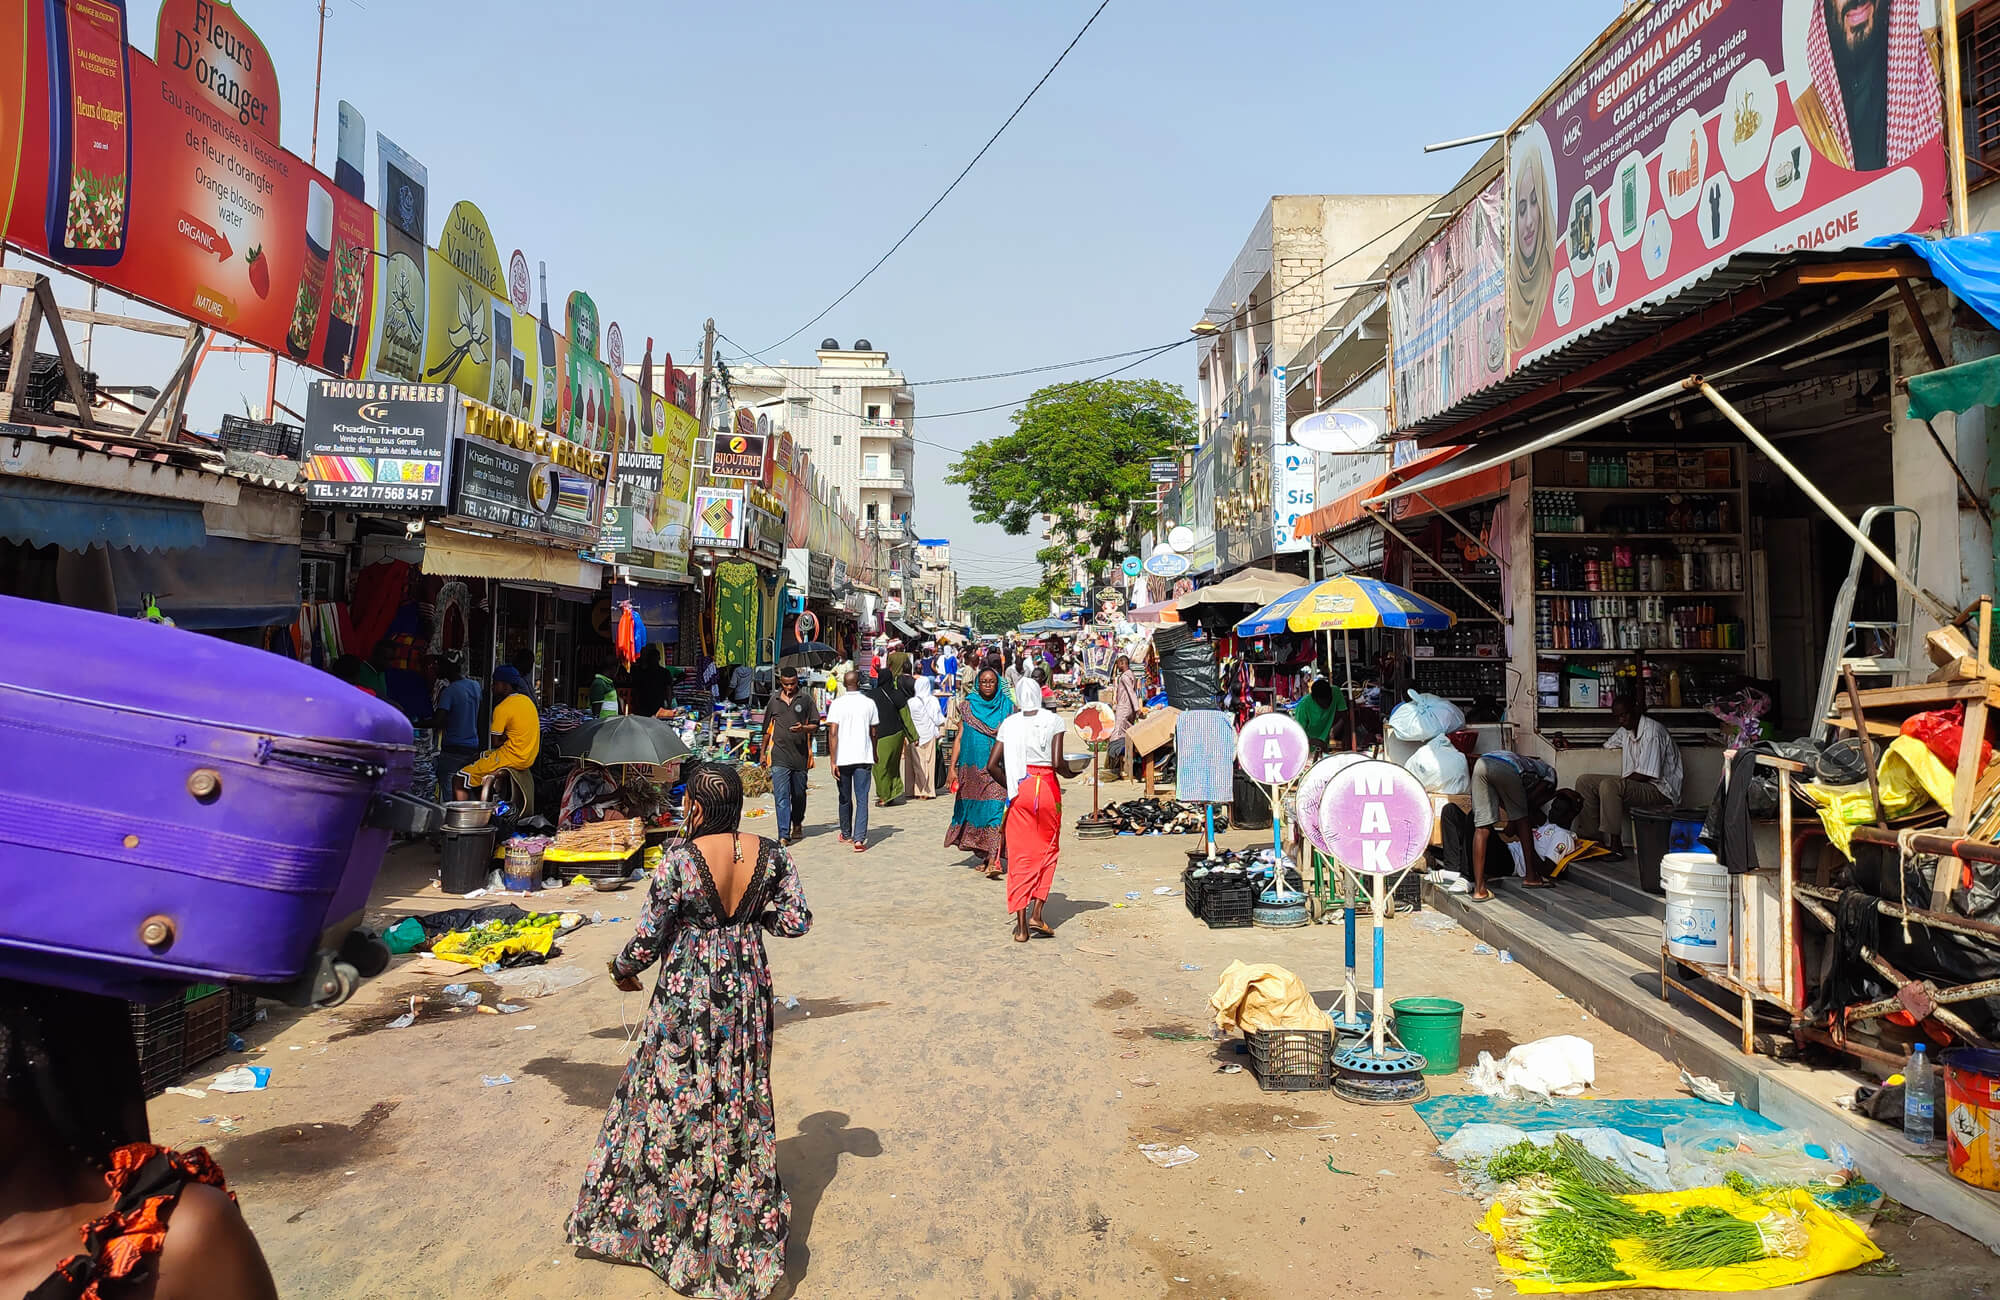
<point x="790" y="721"/>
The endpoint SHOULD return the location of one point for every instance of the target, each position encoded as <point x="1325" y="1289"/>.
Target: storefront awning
<point x="35" y="512"/>
<point x="903" y="629"/>
<point x="467" y="555"/>
<point x="1162" y="612"/>
<point x="224" y="583"/>
<point x="1955" y="388"/>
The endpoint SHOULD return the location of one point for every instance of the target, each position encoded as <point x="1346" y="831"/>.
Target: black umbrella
<point x="625" y="739"/>
<point x="809" y="654"/>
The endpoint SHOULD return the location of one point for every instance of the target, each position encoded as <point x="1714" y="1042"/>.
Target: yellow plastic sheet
<point x="1834" y="1244"/>
<point x="1909" y="775"/>
<point x="535" y="935"/>
<point x="1264" y="997"/>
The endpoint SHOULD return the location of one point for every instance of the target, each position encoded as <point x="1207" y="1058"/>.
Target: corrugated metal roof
<point x="1739" y="275"/>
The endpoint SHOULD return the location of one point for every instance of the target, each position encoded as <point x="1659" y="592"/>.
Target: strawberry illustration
<point x="260" y="271"/>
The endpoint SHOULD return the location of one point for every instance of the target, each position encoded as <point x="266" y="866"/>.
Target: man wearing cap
<point x="517" y="726"/>
<point x="790" y="722"/>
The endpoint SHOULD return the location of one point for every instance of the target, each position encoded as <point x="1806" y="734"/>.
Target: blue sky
<point x="748" y="161"/>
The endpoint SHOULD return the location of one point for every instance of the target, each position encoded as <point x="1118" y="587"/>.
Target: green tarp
<point x="1955" y="388"/>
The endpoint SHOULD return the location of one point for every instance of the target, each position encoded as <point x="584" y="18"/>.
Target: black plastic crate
<point x="1192" y="888"/>
<point x="1228" y="905"/>
<point x="207" y="1028"/>
<point x="242" y="1008"/>
<point x="270" y="439"/>
<point x="159" y="1031"/>
<point x="1291" y="1060"/>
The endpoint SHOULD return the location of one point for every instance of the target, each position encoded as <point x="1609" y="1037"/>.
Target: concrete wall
<point x="1314" y="231"/>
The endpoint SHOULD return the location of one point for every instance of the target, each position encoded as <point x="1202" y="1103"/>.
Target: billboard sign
<point x="377" y="444"/>
<point x="1706" y="128"/>
<point x="739" y="456"/>
<point x="718" y="518"/>
<point x="1448" y="311"/>
<point x="518" y="489"/>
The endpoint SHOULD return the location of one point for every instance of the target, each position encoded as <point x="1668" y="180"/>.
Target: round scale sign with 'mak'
<point x="1375" y="818"/>
<point x="1312" y="788"/>
<point x="1272" y="749"/>
<point x="1094" y="722"/>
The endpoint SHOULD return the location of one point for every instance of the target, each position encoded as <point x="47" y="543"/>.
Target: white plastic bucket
<point x="1697" y="923"/>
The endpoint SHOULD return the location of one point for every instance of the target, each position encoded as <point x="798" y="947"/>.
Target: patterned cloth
<point x="1916" y="110"/>
<point x="685" y="1176"/>
<point x="736" y="613"/>
<point x="1205" y="751"/>
<point x="119" y="1247"/>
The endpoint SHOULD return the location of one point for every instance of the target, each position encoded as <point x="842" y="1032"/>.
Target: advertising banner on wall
<point x="1710" y="127"/>
<point x="1198" y="510"/>
<point x="1293" y="480"/>
<point x="740" y="456"/>
<point x="1338" y="474"/>
<point x="377" y="444"/>
<point x="163" y="177"/>
<point x="518" y="489"/>
<point x="718" y="517"/>
<point x="1448" y="312"/>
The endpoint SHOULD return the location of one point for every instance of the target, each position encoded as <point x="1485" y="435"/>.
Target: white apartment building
<point x="856" y="416"/>
<point x="937" y="581"/>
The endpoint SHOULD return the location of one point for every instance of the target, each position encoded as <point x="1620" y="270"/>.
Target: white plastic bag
<point x="1701" y="1153"/>
<point x="1423" y="717"/>
<point x="1559" y="1066"/>
<point x="1440" y="767"/>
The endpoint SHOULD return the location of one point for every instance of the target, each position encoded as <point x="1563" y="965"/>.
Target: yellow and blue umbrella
<point x="1346" y="604"/>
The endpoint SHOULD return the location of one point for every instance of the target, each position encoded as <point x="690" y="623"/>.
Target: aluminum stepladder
<point x="1845" y="647"/>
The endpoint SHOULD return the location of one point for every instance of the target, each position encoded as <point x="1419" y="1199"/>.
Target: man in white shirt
<point x="1651" y="776"/>
<point x="852" y="721"/>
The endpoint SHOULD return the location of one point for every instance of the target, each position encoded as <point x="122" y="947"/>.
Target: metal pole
<point x="1376" y="892"/>
<point x="1347" y="896"/>
<point x="1944" y="613"/>
<point x="1954" y="116"/>
<point x="1452" y="579"/>
<point x="319" y="62"/>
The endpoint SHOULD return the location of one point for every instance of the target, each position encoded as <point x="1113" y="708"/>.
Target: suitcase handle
<point x="398" y="811"/>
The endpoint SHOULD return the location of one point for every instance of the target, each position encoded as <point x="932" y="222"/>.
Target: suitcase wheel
<point x="366" y="952"/>
<point x="346" y="980"/>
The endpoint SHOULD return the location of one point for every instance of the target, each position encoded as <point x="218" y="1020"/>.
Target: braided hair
<point x="716" y="790"/>
<point x="69" y="1059"/>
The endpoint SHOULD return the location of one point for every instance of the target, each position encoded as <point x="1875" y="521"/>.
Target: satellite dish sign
<point x="1375" y="818"/>
<point x="1166" y="564"/>
<point x="1181" y="538"/>
<point x="1272" y="749"/>
<point x="1131" y="566"/>
<point x="1339" y="432"/>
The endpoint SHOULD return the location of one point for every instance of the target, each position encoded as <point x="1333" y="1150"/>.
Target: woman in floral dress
<point x="685" y="1177"/>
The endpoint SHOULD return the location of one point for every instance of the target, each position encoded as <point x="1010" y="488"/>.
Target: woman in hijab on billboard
<point x="1531" y="259"/>
<point x="1864" y="78"/>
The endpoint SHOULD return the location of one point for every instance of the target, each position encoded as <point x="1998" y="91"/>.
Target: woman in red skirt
<point x="1027" y="759"/>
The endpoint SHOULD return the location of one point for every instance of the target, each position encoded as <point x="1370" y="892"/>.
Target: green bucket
<point x="1429" y="1027"/>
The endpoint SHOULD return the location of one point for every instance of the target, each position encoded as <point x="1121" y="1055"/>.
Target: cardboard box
<point x="1576" y="467"/>
<point x="1584" y="693"/>
<point x="1153" y="730"/>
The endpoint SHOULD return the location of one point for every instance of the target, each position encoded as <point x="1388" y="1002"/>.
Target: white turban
<point x="1028" y="695"/>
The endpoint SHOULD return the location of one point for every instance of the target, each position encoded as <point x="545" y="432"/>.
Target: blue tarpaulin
<point x="35" y="513"/>
<point x="1968" y="265"/>
<point x="224" y="582"/>
<point x="1645" y="1120"/>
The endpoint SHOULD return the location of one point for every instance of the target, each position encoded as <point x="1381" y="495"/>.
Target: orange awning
<point x="1348" y="511"/>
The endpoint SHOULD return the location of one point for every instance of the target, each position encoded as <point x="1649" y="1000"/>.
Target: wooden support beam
<point x="1922" y="326"/>
<point x="174" y="395"/>
<point x="72" y="373"/>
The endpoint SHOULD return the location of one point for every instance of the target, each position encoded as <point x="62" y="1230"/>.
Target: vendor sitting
<point x="1322" y="711"/>
<point x="1510" y="790"/>
<point x="518" y="726"/>
<point x="1650" y="776"/>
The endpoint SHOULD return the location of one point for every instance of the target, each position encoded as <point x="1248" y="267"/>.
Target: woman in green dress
<point x="891" y="692"/>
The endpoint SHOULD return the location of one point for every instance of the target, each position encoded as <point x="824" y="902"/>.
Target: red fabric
<point x="378" y="594"/>
<point x="1034" y="837"/>
<point x="1943" y="732"/>
<point x="121" y="1244"/>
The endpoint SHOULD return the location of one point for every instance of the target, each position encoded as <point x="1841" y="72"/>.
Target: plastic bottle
<point x="1919" y="1103"/>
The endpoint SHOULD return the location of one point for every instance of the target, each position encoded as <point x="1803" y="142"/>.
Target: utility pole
<point x="708" y="376"/>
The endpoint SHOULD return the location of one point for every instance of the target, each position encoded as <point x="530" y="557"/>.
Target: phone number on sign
<point x="406" y="494"/>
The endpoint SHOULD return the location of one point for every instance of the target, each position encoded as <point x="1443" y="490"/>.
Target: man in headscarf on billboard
<point x="1531" y="263"/>
<point x="1873" y="98"/>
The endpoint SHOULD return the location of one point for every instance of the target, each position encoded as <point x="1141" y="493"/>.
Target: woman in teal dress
<point x="981" y="804"/>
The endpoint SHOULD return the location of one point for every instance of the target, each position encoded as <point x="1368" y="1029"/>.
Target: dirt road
<point x="961" y="1114"/>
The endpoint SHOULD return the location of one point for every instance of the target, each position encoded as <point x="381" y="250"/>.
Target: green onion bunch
<point x="1708" y="1236"/>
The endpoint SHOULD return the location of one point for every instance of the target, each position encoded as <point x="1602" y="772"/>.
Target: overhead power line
<point x="949" y="188"/>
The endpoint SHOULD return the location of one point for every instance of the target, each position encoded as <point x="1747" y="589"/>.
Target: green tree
<point x="1078" y="456"/>
<point x="995" y="611"/>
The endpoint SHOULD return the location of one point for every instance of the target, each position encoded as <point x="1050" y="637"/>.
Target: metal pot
<point x="467" y="814"/>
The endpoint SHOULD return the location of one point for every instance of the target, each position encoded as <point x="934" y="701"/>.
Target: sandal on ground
<point x="1040" y="931"/>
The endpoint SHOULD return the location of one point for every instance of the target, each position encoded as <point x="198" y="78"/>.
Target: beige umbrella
<point x="1255" y="587"/>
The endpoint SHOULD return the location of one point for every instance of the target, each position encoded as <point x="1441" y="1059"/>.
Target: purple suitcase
<point x="178" y="809"/>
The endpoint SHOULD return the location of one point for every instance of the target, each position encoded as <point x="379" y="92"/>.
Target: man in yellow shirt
<point x="518" y="725"/>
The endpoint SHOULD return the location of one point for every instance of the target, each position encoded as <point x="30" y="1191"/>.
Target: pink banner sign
<point x="1375" y="818"/>
<point x="1272" y="749"/>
